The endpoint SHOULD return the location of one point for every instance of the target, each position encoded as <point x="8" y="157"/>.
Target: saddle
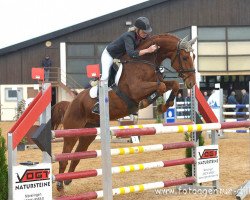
<point x="112" y="73"/>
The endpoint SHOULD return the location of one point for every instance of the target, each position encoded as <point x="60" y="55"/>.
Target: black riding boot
<point x="96" y="108"/>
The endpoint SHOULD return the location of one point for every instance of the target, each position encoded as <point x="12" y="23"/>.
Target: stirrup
<point x="96" y="109"/>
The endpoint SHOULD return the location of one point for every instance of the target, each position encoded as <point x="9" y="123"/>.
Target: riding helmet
<point x="143" y="24"/>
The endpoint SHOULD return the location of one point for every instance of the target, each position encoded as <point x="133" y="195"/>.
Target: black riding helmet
<point x="143" y="24"/>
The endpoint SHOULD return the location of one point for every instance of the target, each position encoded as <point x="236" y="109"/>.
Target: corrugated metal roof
<point x="80" y="26"/>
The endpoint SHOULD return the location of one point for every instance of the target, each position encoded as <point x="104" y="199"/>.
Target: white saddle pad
<point x="93" y="90"/>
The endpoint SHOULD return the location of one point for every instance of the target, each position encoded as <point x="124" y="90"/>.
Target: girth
<point x="132" y="105"/>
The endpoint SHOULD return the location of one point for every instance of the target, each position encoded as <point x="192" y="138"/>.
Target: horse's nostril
<point x="189" y="85"/>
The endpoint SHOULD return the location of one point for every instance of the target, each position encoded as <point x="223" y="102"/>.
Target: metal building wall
<point x="166" y="16"/>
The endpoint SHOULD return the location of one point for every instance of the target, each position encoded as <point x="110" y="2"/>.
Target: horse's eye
<point x="185" y="58"/>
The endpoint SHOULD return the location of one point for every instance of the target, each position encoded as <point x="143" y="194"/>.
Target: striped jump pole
<point x="177" y="123"/>
<point x="131" y="189"/>
<point x="183" y="103"/>
<point x="151" y="129"/>
<point x="236" y="120"/>
<point x="183" y="109"/>
<point x="96" y="131"/>
<point x="122" y="169"/>
<point x="235" y="106"/>
<point x="235" y="113"/>
<point x="235" y="131"/>
<point x="237" y="116"/>
<point x="179" y="129"/>
<point x="122" y="151"/>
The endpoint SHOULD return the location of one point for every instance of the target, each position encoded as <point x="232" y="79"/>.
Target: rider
<point x="126" y="43"/>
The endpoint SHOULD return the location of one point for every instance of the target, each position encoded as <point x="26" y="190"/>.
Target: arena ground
<point x="234" y="152"/>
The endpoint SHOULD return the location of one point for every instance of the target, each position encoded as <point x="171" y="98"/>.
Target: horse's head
<point x="182" y="61"/>
<point x="176" y="49"/>
<point x="179" y="51"/>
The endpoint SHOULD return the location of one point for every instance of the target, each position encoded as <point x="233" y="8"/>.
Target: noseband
<point x="181" y="70"/>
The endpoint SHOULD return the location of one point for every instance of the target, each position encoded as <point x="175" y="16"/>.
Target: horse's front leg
<point x="150" y="89"/>
<point x="170" y="85"/>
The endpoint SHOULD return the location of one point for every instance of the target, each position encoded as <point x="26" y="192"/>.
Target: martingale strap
<point x="171" y="97"/>
<point x="132" y="105"/>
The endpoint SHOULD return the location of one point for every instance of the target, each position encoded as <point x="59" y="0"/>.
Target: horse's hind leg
<point x="68" y="144"/>
<point x="83" y="145"/>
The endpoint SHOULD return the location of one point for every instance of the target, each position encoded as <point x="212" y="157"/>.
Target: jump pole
<point x="39" y="107"/>
<point x="105" y="141"/>
<point x="225" y="113"/>
<point x="244" y="189"/>
<point x="195" y="139"/>
<point x="93" y="71"/>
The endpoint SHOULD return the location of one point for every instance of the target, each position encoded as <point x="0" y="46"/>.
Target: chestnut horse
<point x="57" y="113"/>
<point x="139" y="80"/>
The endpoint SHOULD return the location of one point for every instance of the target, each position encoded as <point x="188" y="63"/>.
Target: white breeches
<point x="106" y="61"/>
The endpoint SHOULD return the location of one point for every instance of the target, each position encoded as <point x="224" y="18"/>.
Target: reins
<point x="181" y="70"/>
<point x="158" y="68"/>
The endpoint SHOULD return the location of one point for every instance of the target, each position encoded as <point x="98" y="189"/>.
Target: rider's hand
<point x="152" y="48"/>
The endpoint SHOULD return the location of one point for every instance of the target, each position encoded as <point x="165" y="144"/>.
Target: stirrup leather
<point x="96" y="109"/>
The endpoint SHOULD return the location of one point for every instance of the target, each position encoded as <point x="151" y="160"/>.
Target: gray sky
<point x="21" y="20"/>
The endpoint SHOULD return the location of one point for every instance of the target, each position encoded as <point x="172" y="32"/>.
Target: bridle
<point x="181" y="71"/>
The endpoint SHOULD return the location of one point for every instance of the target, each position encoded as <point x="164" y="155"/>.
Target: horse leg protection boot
<point x="96" y="107"/>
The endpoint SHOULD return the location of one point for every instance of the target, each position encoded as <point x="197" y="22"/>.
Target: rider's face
<point x="142" y="34"/>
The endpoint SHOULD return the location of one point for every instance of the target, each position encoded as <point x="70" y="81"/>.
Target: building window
<point x="76" y="50"/>
<point x="224" y="49"/>
<point x="211" y="33"/>
<point x="238" y="63"/>
<point x="208" y="48"/>
<point x="100" y="48"/>
<point x="79" y="55"/>
<point x="238" y="33"/>
<point x="11" y="95"/>
<point x="212" y="63"/>
<point x="181" y="33"/>
<point x="239" y="48"/>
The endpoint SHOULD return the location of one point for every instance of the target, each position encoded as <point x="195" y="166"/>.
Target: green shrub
<point x="20" y="109"/>
<point x="159" y="117"/>
<point x="3" y="169"/>
<point x="188" y="167"/>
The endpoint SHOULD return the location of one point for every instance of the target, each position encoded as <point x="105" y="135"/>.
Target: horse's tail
<point x="57" y="113"/>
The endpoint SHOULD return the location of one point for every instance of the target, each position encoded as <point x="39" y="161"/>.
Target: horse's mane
<point x="150" y="40"/>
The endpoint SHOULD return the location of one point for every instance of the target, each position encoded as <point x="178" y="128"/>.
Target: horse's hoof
<point x="67" y="182"/>
<point x="143" y="104"/>
<point x="59" y="186"/>
<point x="140" y="105"/>
<point x="161" y="109"/>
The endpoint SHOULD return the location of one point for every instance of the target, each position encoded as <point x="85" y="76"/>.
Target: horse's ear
<point x="185" y="39"/>
<point x="187" y="45"/>
<point x="184" y="43"/>
<point x="192" y="41"/>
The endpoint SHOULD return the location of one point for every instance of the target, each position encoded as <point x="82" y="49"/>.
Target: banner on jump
<point x="32" y="182"/>
<point x="170" y="115"/>
<point x="207" y="163"/>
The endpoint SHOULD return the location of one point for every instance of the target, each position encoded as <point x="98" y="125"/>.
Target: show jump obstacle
<point x="33" y="180"/>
